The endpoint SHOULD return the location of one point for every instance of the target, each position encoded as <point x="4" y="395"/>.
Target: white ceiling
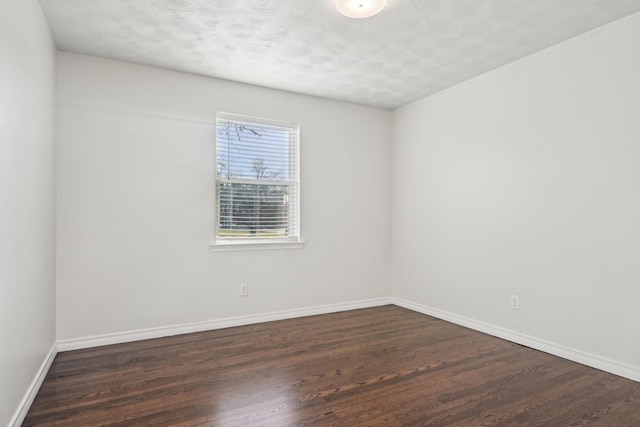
<point x="412" y="49"/>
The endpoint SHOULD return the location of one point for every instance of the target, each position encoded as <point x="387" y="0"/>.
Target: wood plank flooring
<point x="383" y="366"/>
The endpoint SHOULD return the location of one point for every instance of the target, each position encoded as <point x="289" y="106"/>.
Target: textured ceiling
<point x="412" y="49"/>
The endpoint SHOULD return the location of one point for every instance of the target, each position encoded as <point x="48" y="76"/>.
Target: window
<point x="257" y="181"/>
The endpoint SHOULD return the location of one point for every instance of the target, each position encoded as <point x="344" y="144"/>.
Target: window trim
<point x="228" y="245"/>
<point x="253" y="245"/>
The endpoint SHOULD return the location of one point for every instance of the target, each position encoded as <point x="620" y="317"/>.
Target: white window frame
<point x="257" y="243"/>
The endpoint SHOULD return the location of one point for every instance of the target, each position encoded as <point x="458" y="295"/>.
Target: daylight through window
<point x="256" y="180"/>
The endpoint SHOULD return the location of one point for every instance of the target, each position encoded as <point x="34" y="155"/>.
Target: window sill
<point x="254" y="246"/>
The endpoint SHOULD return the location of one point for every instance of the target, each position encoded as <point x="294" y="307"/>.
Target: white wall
<point x="136" y="209"/>
<point x="27" y="199"/>
<point x="526" y="180"/>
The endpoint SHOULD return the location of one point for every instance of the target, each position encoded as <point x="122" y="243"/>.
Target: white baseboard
<point x="594" y="361"/>
<point x="32" y="391"/>
<point x="186" y="328"/>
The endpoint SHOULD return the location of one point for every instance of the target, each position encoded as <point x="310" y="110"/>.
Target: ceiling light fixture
<point x="360" y="8"/>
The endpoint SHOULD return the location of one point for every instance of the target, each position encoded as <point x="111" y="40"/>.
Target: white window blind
<point x="257" y="188"/>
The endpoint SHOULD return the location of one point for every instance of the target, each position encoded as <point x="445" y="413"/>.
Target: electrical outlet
<point x="515" y="302"/>
<point x="244" y="289"/>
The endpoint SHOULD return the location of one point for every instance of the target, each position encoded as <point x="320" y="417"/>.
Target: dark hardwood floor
<point x="383" y="366"/>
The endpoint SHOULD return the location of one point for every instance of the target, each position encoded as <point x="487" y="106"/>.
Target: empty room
<point x="320" y="212"/>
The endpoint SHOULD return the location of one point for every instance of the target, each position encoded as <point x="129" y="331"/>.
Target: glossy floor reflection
<point x="383" y="366"/>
